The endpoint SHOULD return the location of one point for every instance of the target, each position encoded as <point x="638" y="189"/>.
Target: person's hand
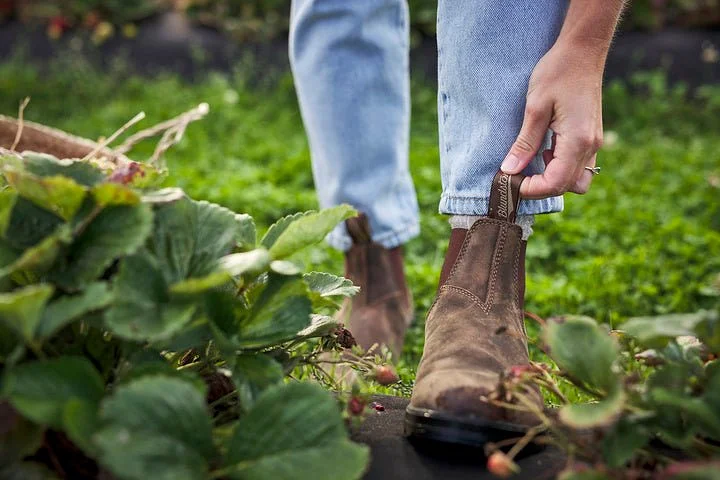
<point x="564" y="94"/>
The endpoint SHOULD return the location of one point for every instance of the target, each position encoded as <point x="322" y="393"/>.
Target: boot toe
<point x="466" y="396"/>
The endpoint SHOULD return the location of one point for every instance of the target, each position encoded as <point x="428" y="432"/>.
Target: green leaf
<point x="320" y="326"/>
<point x="69" y="308"/>
<point x="115" y="232"/>
<point x="161" y="407"/>
<point x="702" y="412"/>
<point x="196" y="334"/>
<point x="151" y="363"/>
<point x="41" y="257"/>
<point x="247" y="233"/>
<point x="189" y="238"/>
<point x="252" y="374"/>
<point x="583" y="350"/>
<point x="29" y="225"/>
<point x="7" y="202"/>
<point x="658" y="331"/>
<point x="41" y="389"/>
<point x="220" y="308"/>
<point x="327" y="285"/>
<point x="143" y="308"/>
<point x="59" y="195"/>
<point x="137" y="455"/>
<point x="675" y="376"/>
<point x="193" y="286"/>
<point x="708" y="331"/>
<point x="582" y="474"/>
<point x="280" y="312"/>
<point x="18" y="436"/>
<point x="294" y="431"/>
<point x="163" y="196"/>
<point x="107" y="194"/>
<point x="279" y="227"/>
<point x="598" y="414"/>
<point x="22" y="309"/>
<point x="622" y="442"/>
<point x="254" y="261"/>
<point x="81" y="422"/>
<point x="309" y="230"/>
<point x="8" y="255"/>
<point x="44" y="165"/>
<point x="9" y="344"/>
<point x="285" y="267"/>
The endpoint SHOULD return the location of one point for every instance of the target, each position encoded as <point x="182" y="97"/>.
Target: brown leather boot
<point x="475" y="331"/>
<point x="382" y="311"/>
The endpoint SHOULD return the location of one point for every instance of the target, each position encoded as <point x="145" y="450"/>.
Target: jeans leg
<point x="350" y="63"/>
<point x="487" y="50"/>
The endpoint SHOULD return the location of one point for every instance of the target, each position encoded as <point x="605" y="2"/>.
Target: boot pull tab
<point x="505" y="196"/>
<point x="359" y="229"/>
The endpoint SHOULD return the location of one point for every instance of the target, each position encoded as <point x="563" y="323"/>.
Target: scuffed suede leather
<point x="475" y="331"/>
<point x="382" y="311"/>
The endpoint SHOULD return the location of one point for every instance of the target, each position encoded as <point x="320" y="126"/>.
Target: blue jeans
<point x="350" y="63"/>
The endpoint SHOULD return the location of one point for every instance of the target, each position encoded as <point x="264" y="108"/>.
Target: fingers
<point x="531" y="136"/>
<point x="584" y="178"/>
<point x="548" y="154"/>
<point x="565" y="170"/>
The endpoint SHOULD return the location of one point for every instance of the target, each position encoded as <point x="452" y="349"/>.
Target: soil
<point x="394" y="456"/>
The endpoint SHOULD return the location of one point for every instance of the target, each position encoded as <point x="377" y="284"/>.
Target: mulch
<point x="393" y="456"/>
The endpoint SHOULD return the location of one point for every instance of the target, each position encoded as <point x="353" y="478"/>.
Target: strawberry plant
<point x="655" y="390"/>
<point x="144" y="334"/>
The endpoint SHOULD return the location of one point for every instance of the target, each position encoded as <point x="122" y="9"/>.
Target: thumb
<point x="532" y="134"/>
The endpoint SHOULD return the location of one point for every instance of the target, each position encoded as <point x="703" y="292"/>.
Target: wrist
<point x="587" y="56"/>
<point x="589" y="28"/>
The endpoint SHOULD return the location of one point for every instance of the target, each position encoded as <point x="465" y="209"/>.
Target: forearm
<point x="590" y="25"/>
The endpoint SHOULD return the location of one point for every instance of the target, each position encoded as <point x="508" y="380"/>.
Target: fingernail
<point x="510" y="163"/>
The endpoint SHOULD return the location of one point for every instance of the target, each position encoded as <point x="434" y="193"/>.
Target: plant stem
<point x="523" y="442"/>
<point x="536" y="317"/>
<point x="548" y="382"/>
<point x="87" y="221"/>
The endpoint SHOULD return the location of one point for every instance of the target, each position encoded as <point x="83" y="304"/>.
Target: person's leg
<point x="475" y="331"/>
<point x="350" y="63"/>
<point x="486" y="53"/>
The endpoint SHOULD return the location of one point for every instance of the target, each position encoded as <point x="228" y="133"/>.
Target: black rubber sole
<point x="435" y="426"/>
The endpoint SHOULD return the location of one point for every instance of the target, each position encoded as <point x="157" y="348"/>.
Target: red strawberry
<point x="385" y="375"/>
<point x="126" y="173"/>
<point x="501" y="465"/>
<point x="57" y="27"/>
<point x="356" y="406"/>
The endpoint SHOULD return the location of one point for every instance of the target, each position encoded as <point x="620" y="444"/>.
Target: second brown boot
<point x="475" y="331"/>
<point x="382" y="311"/>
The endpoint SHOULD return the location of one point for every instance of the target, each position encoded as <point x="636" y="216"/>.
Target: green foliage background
<point x="645" y="240"/>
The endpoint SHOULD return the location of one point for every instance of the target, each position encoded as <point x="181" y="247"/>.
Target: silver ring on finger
<point x="593" y="170"/>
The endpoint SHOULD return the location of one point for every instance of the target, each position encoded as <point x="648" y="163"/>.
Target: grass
<point x="645" y="240"/>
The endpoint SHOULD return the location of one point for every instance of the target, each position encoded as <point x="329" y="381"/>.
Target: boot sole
<point x="435" y="426"/>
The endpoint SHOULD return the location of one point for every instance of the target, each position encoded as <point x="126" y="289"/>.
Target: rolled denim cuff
<point x="454" y="205"/>
<point x="398" y="235"/>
